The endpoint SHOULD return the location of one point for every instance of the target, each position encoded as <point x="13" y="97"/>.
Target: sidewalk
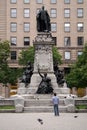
<point x="29" y="121"/>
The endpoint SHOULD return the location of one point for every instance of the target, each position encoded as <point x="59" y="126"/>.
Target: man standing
<point x="55" y="101"/>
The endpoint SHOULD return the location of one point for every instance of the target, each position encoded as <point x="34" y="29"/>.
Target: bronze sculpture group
<point x="45" y="86"/>
<point x="26" y="77"/>
<point x="59" y="75"/>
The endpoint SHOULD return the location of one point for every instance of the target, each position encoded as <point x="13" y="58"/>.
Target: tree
<point x="78" y="74"/>
<point x="7" y="74"/>
<point x="13" y="74"/>
<point x="56" y="56"/>
<point x="4" y="52"/>
<point x="26" y="55"/>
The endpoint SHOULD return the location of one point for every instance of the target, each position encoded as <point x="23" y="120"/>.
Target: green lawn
<point x="6" y="107"/>
<point x="81" y="107"/>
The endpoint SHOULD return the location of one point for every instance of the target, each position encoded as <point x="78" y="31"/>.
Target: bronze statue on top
<point x="43" y="21"/>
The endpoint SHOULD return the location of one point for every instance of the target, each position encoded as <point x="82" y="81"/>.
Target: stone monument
<point x="38" y="85"/>
<point x="43" y="59"/>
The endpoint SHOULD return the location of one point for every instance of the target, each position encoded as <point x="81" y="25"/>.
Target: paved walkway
<point x="28" y="121"/>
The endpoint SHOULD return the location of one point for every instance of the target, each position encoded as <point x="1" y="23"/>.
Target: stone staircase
<point x="42" y="103"/>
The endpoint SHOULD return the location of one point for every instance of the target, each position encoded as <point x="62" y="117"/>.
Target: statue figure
<point x="59" y="75"/>
<point x="45" y="86"/>
<point x="27" y="74"/>
<point x="43" y="21"/>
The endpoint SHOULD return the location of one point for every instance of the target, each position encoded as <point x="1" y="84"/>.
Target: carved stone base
<point x="36" y="79"/>
<point x="22" y="89"/>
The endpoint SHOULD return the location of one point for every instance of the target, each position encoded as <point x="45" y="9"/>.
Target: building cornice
<point x="70" y="48"/>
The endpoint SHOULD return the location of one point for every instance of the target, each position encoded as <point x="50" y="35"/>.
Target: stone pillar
<point x="1" y="89"/>
<point x="43" y="60"/>
<point x="43" y="53"/>
<point x="74" y="90"/>
<point x="86" y="90"/>
<point x="7" y="92"/>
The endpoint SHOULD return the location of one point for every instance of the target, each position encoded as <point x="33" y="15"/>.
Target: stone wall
<point x="79" y="92"/>
<point x="4" y="91"/>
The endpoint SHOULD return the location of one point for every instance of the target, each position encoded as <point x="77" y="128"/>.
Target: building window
<point x="26" y="13"/>
<point x="39" y="1"/>
<point x="53" y="13"/>
<point x="67" y="55"/>
<point x="37" y="11"/>
<point x="79" y="1"/>
<point x="55" y="40"/>
<point x="53" y="27"/>
<point x="13" y="27"/>
<point x="13" y="41"/>
<point x="13" y="55"/>
<point x="66" y="13"/>
<point x="80" y="12"/>
<point x="67" y="41"/>
<point x="13" y="13"/>
<point x="80" y="40"/>
<point x="13" y="1"/>
<point x="26" y="27"/>
<point x="26" y="41"/>
<point x="67" y="1"/>
<point x="67" y="27"/>
<point x="26" y="1"/>
<point x="80" y="27"/>
<point x="53" y="1"/>
<point x="79" y="53"/>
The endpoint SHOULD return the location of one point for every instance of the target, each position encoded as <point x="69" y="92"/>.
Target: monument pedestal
<point x="43" y="61"/>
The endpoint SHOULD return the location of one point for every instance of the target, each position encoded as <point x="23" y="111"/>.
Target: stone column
<point x="43" y="60"/>
<point x="86" y="90"/>
<point x="74" y="90"/>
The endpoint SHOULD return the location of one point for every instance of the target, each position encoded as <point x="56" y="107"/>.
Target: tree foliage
<point x="78" y="74"/>
<point x="56" y="56"/>
<point x="26" y="55"/>
<point x="4" y="52"/>
<point x="7" y="74"/>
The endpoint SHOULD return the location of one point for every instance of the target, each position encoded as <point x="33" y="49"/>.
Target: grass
<point x="7" y="107"/>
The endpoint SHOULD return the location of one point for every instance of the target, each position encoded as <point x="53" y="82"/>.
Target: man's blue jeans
<point x="56" y="110"/>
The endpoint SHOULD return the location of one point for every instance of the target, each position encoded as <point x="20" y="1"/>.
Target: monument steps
<point x="43" y="96"/>
<point x="42" y="103"/>
<point x="43" y="109"/>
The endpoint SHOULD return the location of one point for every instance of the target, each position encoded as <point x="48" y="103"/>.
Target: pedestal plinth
<point x="43" y="60"/>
